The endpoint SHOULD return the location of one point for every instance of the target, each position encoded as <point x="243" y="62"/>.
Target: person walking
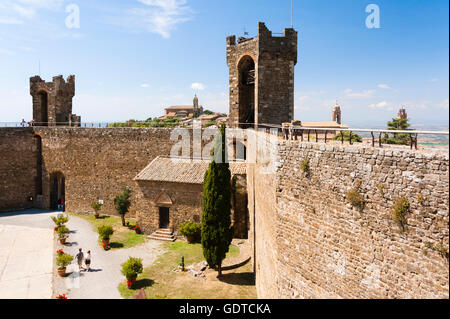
<point x="80" y="257"/>
<point x="87" y="261"/>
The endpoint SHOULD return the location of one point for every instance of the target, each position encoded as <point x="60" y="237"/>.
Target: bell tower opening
<point x="43" y="102"/>
<point x="246" y="69"/>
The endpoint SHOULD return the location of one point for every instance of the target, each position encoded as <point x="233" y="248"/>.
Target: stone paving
<point x="103" y="280"/>
<point x="26" y="251"/>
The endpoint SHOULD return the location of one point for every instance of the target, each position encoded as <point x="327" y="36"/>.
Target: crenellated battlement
<point x="52" y="101"/>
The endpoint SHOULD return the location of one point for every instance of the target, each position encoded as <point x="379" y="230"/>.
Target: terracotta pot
<point x="62" y="271"/>
<point x="62" y="240"/>
<point x="105" y="243"/>
<point x="131" y="282"/>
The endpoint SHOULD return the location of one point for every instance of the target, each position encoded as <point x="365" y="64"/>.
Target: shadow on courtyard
<point x="116" y="245"/>
<point x="239" y="279"/>
<point x="143" y="283"/>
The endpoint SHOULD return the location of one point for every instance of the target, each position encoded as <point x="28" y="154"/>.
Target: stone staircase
<point x="163" y="234"/>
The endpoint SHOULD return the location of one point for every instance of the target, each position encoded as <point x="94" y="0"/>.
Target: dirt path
<point x="102" y="281"/>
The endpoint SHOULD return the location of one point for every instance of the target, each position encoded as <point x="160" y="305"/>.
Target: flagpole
<point x="292" y="14"/>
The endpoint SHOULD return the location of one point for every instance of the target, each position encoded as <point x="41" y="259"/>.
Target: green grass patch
<point x="123" y="237"/>
<point x="161" y="281"/>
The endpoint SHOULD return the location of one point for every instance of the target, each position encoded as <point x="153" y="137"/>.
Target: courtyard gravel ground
<point x="26" y="249"/>
<point x="103" y="280"/>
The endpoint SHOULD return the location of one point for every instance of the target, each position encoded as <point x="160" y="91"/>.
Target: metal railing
<point x="292" y="132"/>
<point x="304" y="132"/>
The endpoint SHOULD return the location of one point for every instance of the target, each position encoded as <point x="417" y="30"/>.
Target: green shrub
<point x="60" y="219"/>
<point x="355" y="137"/>
<point x="122" y="203"/>
<point x="305" y="166"/>
<point x="132" y="267"/>
<point x="399" y="210"/>
<point x="96" y="206"/>
<point x="105" y="232"/>
<point x="62" y="231"/>
<point x="356" y="199"/>
<point x="63" y="260"/>
<point x="191" y="229"/>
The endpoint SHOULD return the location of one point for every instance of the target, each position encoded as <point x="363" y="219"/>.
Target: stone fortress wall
<point x="18" y="168"/>
<point x="311" y="243"/>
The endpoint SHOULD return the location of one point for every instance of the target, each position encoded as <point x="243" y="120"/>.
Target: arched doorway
<point x="57" y="190"/>
<point x="43" y="102"/>
<point x="246" y="69"/>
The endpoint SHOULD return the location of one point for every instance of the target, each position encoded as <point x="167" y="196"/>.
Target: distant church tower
<point x="402" y="114"/>
<point x="336" y="114"/>
<point x="261" y="77"/>
<point x="52" y="101"/>
<point x="196" y="110"/>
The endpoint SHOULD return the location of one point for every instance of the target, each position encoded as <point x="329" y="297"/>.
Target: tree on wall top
<point x="122" y="203"/>
<point x="216" y="209"/>
<point x="397" y="124"/>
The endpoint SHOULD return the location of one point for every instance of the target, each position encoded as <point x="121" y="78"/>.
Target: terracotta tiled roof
<point x="189" y="171"/>
<point x="180" y="107"/>
<point x="330" y="124"/>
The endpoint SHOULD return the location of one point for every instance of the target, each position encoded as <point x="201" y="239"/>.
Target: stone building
<point x="52" y="101"/>
<point x="261" y="75"/>
<point x="193" y="110"/>
<point x="335" y="123"/>
<point x="170" y="192"/>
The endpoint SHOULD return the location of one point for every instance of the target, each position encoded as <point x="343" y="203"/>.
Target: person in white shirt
<point x="87" y="260"/>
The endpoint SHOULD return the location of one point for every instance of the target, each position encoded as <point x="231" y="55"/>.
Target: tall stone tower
<point x="336" y="114"/>
<point x="261" y="77"/>
<point x="402" y="114"/>
<point x="52" y="101"/>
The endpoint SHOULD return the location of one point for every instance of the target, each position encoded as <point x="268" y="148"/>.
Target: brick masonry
<point x="311" y="243"/>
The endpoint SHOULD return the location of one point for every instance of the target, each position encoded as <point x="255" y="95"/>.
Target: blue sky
<point x="133" y="58"/>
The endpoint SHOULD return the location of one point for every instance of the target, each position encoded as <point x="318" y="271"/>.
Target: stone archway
<point x="57" y="190"/>
<point x="246" y="71"/>
<point x="43" y="114"/>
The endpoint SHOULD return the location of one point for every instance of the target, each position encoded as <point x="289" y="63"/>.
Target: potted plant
<point x="62" y="233"/>
<point x="105" y="232"/>
<point x="130" y="269"/>
<point x="63" y="296"/>
<point x="191" y="230"/>
<point x="137" y="229"/>
<point x="62" y="261"/>
<point x="122" y="203"/>
<point x="96" y="206"/>
<point x="59" y="220"/>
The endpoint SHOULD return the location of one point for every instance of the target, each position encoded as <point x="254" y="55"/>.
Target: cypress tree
<point x="216" y="209"/>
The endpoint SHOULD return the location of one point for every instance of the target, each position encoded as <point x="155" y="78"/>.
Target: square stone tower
<point x="52" y="101"/>
<point x="261" y="78"/>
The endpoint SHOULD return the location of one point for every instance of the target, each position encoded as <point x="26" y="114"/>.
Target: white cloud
<point x="444" y="104"/>
<point x="145" y="85"/>
<point x="7" y="52"/>
<point x="16" y="12"/>
<point x="198" y="86"/>
<point x="159" y="16"/>
<point x="433" y="80"/>
<point x="384" y="86"/>
<point x="379" y="105"/>
<point x="7" y="20"/>
<point x="359" y="95"/>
